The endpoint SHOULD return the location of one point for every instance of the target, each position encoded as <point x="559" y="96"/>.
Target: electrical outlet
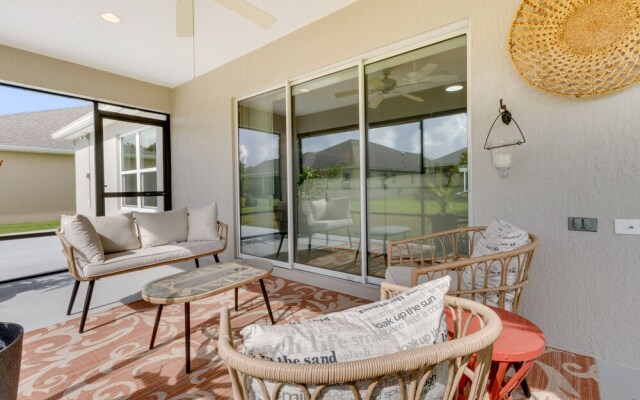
<point x="627" y="226"/>
<point x="582" y="224"/>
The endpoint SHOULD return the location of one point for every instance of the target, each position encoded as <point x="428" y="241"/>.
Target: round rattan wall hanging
<point x="577" y="48"/>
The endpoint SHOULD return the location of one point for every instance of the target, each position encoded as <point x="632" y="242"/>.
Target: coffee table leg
<point x="266" y="301"/>
<point x="236" y="292"/>
<point x="187" y="336"/>
<point x="155" y="326"/>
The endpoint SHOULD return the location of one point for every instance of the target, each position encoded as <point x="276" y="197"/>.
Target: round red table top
<point x="520" y="340"/>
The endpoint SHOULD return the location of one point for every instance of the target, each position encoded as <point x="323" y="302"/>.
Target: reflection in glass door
<point x="416" y="145"/>
<point x="262" y="175"/>
<point x="326" y="168"/>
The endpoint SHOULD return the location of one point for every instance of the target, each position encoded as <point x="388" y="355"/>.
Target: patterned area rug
<point x="112" y="360"/>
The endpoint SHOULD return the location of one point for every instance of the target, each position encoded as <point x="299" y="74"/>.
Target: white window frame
<point x="137" y="171"/>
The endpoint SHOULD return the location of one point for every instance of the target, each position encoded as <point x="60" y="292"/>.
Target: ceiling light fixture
<point x="304" y="90"/>
<point x="109" y="17"/>
<point x="454" y="88"/>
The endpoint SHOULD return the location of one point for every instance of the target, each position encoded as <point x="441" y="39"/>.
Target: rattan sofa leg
<point x="74" y="292"/>
<point x="215" y="257"/>
<point x="87" y="303"/>
<point x="197" y="262"/>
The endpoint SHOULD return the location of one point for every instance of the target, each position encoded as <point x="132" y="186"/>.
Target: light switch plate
<point x="583" y="224"/>
<point x="627" y="226"/>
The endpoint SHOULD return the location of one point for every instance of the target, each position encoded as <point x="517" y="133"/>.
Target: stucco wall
<point x="36" y="187"/>
<point x="580" y="159"/>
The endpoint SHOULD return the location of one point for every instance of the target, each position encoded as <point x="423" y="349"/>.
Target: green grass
<point x="22" y="227"/>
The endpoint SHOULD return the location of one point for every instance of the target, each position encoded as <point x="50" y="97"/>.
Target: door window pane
<point x="148" y="148"/>
<point x="149" y="184"/>
<point x="130" y="184"/>
<point x="326" y="171"/>
<point x="128" y="151"/>
<point x="263" y="179"/>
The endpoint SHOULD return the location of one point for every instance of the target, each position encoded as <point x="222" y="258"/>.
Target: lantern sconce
<point x="501" y="150"/>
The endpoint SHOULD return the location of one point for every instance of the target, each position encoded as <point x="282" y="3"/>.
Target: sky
<point x="15" y="100"/>
<point x="442" y="136"/>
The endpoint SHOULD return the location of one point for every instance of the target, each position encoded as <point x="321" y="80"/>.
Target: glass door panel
<point x="416" y="146"/>
<point x="263" y="179"/>
<point x="326" y="164"/>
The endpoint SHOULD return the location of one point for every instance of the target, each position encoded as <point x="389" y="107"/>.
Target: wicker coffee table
<point x="202" y="283"/>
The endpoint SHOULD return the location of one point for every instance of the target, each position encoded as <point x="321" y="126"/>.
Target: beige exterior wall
<point x="27" y="69"/>
<point x="36" y="187"/>
<point x="580" y="159"/>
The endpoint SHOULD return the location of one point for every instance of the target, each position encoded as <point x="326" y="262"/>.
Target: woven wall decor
<point x="577" y="48"/>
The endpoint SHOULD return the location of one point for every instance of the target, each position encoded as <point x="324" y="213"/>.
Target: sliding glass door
<point x="262" y="166"/>
<point x="416" y="145"/>
<point x="326" y="166"/>
<point x="398" y="122"/>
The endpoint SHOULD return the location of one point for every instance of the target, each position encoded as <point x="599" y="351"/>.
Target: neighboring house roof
<point x="32" y="131"/>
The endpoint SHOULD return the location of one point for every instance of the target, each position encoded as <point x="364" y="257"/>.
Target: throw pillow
<point x="156" y="229"/>
<point x="412" y="319"/>
<point x="79" y="231"/>
<point x="117" y="232"/>
<point x="500" y="236"/>
<point x="203" y="223"/>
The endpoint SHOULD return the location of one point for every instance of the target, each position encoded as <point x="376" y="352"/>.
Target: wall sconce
<point x="501" y="148"/>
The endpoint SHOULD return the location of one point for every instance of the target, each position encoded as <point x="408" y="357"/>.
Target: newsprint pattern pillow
<point x="500" y="236"/>
<point x="411" y="319"/>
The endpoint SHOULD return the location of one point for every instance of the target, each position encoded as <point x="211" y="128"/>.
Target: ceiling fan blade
<point x="184" y="18"/>
<point x="346" y="93"/>
<point x="427" y="69"/>
<point x="411" y="96"/>
<point x="444" y="78"/>
<point x="376" y="83"/>
<point x="250" y="12"/>
<point x="375" y="101"/>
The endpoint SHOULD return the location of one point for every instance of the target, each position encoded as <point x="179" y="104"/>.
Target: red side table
<point x="519" y="345"/>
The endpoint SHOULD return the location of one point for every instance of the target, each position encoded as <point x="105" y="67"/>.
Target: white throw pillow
<point x="117" y="232"/>
<point x="500" y="236"/>
<point x="203" y="223"/>
<point x="156" y="229"/>
<point x="79" y="231"/>
<point x="412" y="319"/>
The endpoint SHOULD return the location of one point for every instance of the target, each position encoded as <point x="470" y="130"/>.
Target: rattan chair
<point x="448" y="253"/>
<point x="315" y="379"/>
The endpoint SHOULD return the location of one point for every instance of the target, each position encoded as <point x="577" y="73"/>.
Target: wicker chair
<point x="315" y="379"/>
<point x="448" y="253"/>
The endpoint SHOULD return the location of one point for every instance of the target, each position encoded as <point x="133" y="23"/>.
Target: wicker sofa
<point x="418" y="259"/>
<point x="138" y="256"/>
<point x="412" y="367"/>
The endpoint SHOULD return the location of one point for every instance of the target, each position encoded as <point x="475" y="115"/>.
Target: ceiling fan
<point x="389" y="84"/>
<point x="184" y="14"/>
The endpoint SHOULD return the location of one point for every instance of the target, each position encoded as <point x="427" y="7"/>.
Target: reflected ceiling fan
<point x="184" y="14"/>
<point x="379" y="88"/>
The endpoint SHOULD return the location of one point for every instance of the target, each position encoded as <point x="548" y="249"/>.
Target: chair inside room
<point x="280" y="212"/>
<point x="415" y="260"/>
<point x="324" y="215"/>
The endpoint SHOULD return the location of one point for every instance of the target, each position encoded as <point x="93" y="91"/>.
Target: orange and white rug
<point x="112" y="360"/>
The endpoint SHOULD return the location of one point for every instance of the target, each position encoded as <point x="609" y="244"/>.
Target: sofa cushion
<point x="203" y="223"/>
<point x="156" y="229"/>
<point x="117" y="232"/>
<point x="133" y="259"/>
<point x="79" y="231"/>
<point x="500" y="236"/>
<point x="412" y="319"/>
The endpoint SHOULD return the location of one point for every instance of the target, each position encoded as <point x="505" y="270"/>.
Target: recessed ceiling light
<point x="114" y="19"/>
<point x="454" y="88"/>
<point x="304" y="90"/>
